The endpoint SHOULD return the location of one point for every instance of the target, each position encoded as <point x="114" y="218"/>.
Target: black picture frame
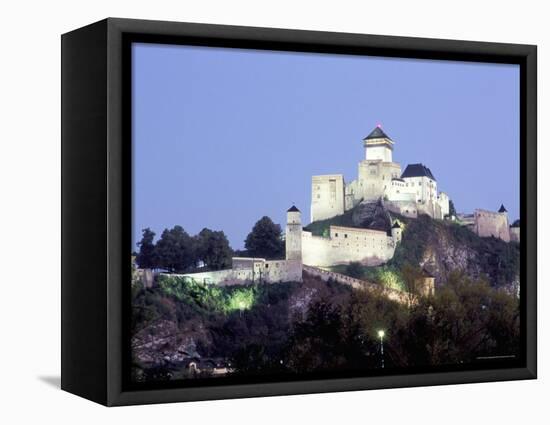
<point x="96" y="208"/>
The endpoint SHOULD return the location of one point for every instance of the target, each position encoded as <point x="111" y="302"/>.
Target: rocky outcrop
<point x="372" y="215"/>
<point x="442" y="247"/>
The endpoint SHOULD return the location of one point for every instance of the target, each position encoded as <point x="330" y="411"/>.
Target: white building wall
<point x="345" y="244"/>
<point x="327" y="196"/>
<point x="375" y="179"/>
<point x="246" y="271"/>
<point x="293" y="236"/>
<point x="443" y="201"/>
<point x="379" y="152"/>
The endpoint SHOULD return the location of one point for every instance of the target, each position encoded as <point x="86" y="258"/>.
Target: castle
<point x="408" y="193"/>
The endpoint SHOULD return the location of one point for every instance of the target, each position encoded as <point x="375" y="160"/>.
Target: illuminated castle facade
<point x="410" y="192"/>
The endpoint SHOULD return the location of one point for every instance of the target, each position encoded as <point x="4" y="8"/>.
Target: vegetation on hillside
<point x="294" y="328"/>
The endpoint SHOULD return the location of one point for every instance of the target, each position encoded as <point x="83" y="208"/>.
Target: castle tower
<point x="293" y="234"/>
<point x="378" y="146"/>
<point x="396" y="232"/>
<point x="504" y="212"/>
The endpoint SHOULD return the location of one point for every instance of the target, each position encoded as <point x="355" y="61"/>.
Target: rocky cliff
<point x="437" y="246"/>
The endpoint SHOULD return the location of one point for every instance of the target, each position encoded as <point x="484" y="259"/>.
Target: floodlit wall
<point x="346" y="244"/>
<point x="327" y="196"/>
<point x="375" y="179"/>
<point x="252" y="270"/>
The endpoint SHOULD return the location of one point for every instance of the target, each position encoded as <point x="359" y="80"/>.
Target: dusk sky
<point x="222" y="137"/>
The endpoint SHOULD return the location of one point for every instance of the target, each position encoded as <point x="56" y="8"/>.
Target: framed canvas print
<point x="253" y="212"/>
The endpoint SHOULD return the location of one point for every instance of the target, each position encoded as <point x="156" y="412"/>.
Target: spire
<point x="502" y="209"/>
<point x="293" y="209"/>
<point x="377" y="133"/>
<point x="396" y="225"/>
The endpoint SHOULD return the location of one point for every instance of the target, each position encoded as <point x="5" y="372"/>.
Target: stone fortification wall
<point x="346" y="244"/>
<point x="325" y="275"/>
<point x="489" y="223"/>
<point x="252" y="270"/>
<point x="327" y="196"/>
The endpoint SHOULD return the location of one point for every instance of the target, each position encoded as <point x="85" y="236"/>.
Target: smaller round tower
<point x="293" y="234"/>
<point x="396" y="232"/>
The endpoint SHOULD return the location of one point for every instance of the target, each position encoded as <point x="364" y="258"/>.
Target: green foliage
<point x="212" y="247"/>
<point x="465" y="320"/>
<point x="147" y="256"/>
<point x="175" y="250"/>
<point x="387" y="276"/>
<point x="265" y="240"/>
<point x="452" y="210"/>
<point x="497" y="259"/>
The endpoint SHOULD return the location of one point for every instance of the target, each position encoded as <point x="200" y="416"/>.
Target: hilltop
<point x="440" y="247"/>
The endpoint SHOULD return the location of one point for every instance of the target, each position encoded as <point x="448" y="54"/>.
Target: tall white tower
<point x="396" y="232"/>
<point x="293" y="234"/>
<point x="378" y="146"/>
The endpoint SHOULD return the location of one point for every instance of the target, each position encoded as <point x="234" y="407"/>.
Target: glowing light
<point x="381" y="334"/>
<point x="379" y="125"/>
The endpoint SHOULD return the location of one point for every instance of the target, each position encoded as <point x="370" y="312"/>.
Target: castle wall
<point x="327" y="196"/>
<point x="514" y="234"/>
<point x="345" y="244"/>
<point x="251" y="270"/>
<point x="489" y="223"/>
<point x="424" y="188"/>
<point x="405" y="208"/>
<point x="443" y="201"/>
<point x="375" y="179"/>
<point x="325" y="275"/>
<point x="400" y="191"/>
<point x="378" y="152"/>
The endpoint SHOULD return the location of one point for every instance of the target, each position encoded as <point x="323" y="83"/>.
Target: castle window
<point x="266" y="266"/>
<point x="345" y="235"/>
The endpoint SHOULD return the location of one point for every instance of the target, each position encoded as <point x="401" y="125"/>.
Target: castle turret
<point x="396" y="232"/>
<point x="293" y="234"/>
<point x="378" y="146"/>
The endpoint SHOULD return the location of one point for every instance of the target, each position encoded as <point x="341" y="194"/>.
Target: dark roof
<point x="396" y="225"/>
<point x="502" y="209"/>
<point x="515" y="223"/>
<point x="377" y="133"/>
<point x="398" y="179"/>
<point x="417" y="170"/>
<point x="293" y="209"/>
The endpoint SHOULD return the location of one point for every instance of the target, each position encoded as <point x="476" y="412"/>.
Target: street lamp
<point x="381" y="334"/>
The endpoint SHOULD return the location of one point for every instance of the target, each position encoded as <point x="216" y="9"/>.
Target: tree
<point x="147" y="256"/>
<point x="175" y="250"/>
<point x="413" y="280"/>
<point x="452" y="210"/>
<point x="265" y="239"/>
<point x="212" y="247"/>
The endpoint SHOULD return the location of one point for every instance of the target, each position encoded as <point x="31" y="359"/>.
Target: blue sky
<point x="222" y="137"/>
